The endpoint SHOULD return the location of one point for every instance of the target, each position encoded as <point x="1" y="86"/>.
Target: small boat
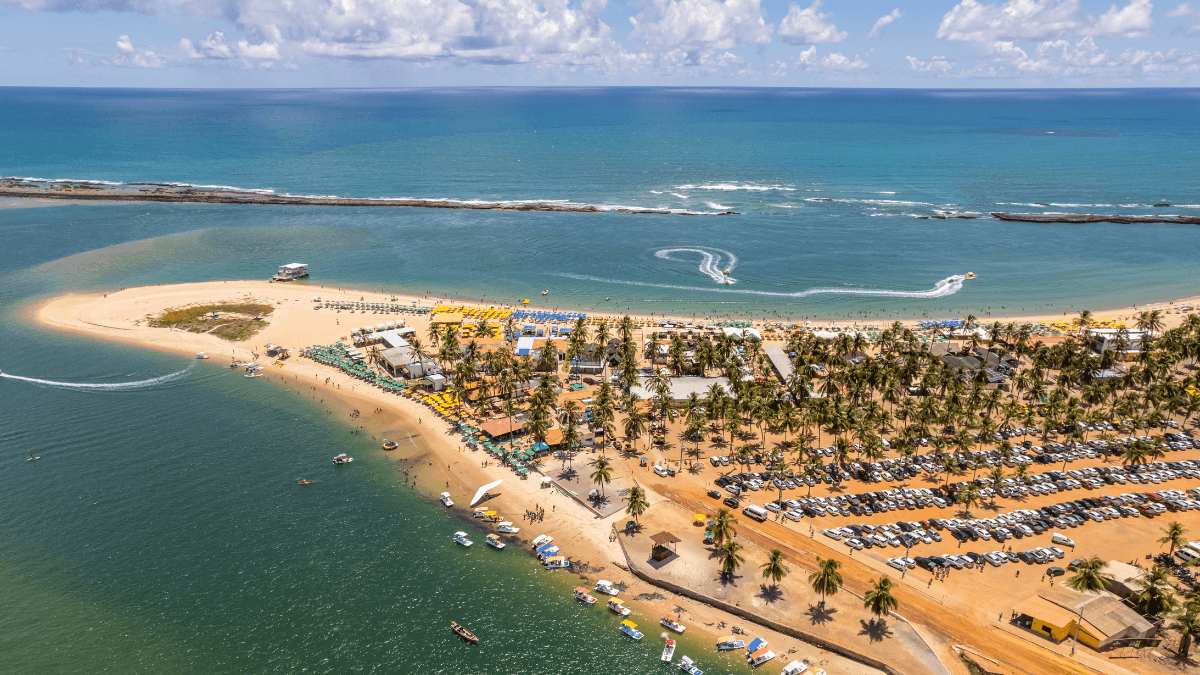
<point x="202" y="356"/>
<point x="970" y="275"/>
<point x="390" y="445"/>
<point x="630" y="628"/>
<point x="541" y="540"/>
<point x="490" y="517"/>
<point x="756" y="659"/>
<point x="460" y="538"/>
<point x="671" y="621"/>
<point x="493" y="540"/>
<point x="507" y="527"/>
<point x="462" y="632"/>
<point x="617" y="607"/>
<point x="546" y="292"/>
<point x="668" y="651"/>
<point x="582" y="595"/>
<point x="795" y="668"/>
<point x="342" y="459"/>
<point x="304" y="481"/>
<point x="729" y="643"/>
<point x="548" y="551"/>
<point x="446" y="499"/>
<point x="31" y="458"/>
<point x="689" y="667"/>
<point x="607" y="587"/>
<point x="557" y="563"/>
<point x="253" y="375"/>
<point x="239" y="364"/>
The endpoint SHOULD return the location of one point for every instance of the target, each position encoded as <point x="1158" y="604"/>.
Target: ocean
<point x="161" y="532"/>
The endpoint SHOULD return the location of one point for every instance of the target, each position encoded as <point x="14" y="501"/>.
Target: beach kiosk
<point x="291" y="272"/>
<point x="664" y="543"/>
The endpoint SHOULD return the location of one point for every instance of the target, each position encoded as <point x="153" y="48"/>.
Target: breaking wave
<point x="736" y="186"/>
<point x="944" y="288"/>
<point x="710" y="262"/>
<point x="98" y="386"/>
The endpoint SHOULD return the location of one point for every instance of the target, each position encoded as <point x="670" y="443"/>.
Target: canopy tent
<point x="483" y="491"/>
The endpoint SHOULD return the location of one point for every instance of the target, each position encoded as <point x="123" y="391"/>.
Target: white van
<point x="1186" y="554"/>
<point x="660" y="470"/>
<point x="1062" y="539"/>
<point x="756" y="512"/>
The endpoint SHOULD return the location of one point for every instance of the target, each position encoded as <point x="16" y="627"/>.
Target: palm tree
<point x="1089" y="576"/>
<point x="827" y="579"/>
<point x="636" y="503"/>
<point x="1188" y="625"/>
<point x="879" y="598"/>
<point x="724" y="529"/>
<point x="730" y="558"/>
<point x="1155" y="596"/>
<point x="602" y="474"/>
<point x="635" y="420"/>
<point x="1173" y="535"/>
<point x="774" y="569"/>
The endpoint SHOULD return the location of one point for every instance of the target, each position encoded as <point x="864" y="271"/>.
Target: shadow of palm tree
<point x="728" y="579"/>
<point x="875" y="630"/>
<point x="770" y="594"/>
<point x="820" y="613"/>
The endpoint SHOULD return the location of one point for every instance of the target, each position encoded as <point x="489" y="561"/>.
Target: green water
<point x="162" y="530"/>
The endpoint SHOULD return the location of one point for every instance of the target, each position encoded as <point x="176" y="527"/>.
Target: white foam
<point x="676" y="194"/>
<point x="736" y="186"/>
<point x="718" y="207"/>
<point x="114" y="386"/>
<point x="710" y="262"/>
<point x="944" y="288"/>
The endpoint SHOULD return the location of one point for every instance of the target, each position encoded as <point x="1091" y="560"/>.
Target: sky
<point x="776" y="43"/>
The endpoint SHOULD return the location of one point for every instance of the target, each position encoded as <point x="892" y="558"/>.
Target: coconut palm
<point x="827" y="579"/>
<point x="602" y="475"/>
<point x="1173" y="535"/>
<point x="1188" y="625"/>
<point x="1156" y="596"/>
<point x="775" y="569"/>
<point x="724" y="528"/>
<point x="730" y="558"/>
<point x="636" y="503"/>
<point x="1089" y="576"/>
<point x="879" y="598"/>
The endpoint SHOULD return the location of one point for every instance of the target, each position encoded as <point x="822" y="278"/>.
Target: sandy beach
<point x="939" y="616"/>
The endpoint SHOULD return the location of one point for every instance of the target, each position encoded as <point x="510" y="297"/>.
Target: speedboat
<point x="729" y="643"/>
<point x="671" y="621"/>
<point x="507" y="527"/>
<point x="617" y="607"/>
<point x="446" y="499"/>
<point x="630" y="628"/>
<point x="493" y="540"/>
<point x="304" y="481"/>
<point x="201" y="355"/>
<point x="390" y="445"/>
<point x="668" y="651"/>
<point x="970" y="275"/>
<point x="582" y="595"/>
<point x="557" y="563"/>
<point x="31" y="458"/>
<point x="460" y="538"/>
<point x="689" y="667"/>
<point x="607" y="587"/>
<point x="342" y="459"/>
<point x="462" y="632"/>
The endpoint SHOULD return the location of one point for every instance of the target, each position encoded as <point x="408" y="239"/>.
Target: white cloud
<point x="1130" y="21"/>
<point x="809" y="26"/>
<point x="877" y="30"/>
<point x="839" y="61"/>
<point x="700" y="25"/>
<point x="1065" y="59"/>
<point x="265" y="50"/>
<point x="936" y="64"/>
<point x="211" y="47"/>
<point x="1014" y="20"/>
<point x="807" y="58"/>
<point x="836" y="62"/>
<point x="1182" y="9"/>
<point x="132" y="57"/>
<point x="124" y="43"/>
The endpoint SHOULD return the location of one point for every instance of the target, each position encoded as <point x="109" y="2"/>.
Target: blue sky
<point x="397" y="43"/>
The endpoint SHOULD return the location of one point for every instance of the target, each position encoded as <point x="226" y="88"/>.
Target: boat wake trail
<point x="945" y="287"/>
<point x="710" y="262"/>
<point x="97" y="386"/>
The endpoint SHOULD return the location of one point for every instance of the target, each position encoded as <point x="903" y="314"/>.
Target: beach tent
<point x="524" y="346"/>
<point x="482" y="491"/>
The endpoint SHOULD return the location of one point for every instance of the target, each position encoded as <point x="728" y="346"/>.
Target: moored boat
<point x="688" y="666"/>
<point x="507" y="527"/>
<point x="800" y="668"/>
<point x="582" y="595"/>
<point x="461" y="539"/>
<point x="493" y="540"/>
<point x="445" y="497"/>
<point x="557" y="563"/>
<point x="606" y="587"/>
<point x="618" y="607"/>
<point x="342" y="459"/>
<point x="541" y="540"/>
<point x="630" y="628"/>
<point x="757" y="658"/>
<point x="202" y="356"/>
<point x="729" y="642"/>
<point x="462" y="632"/>
<point x="671" y="621"/>
<point x="668" y="651"/>
<point x="547" y="551"/>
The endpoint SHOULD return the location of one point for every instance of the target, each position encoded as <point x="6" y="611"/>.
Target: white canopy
<point x="482" y="491"/>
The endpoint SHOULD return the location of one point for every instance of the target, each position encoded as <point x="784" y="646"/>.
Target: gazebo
<point x="664" y="545"/>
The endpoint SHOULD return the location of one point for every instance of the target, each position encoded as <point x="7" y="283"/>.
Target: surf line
<point x="710" y="262"/>
<point x="113" y="386"/>
<point x="946" y="287"/>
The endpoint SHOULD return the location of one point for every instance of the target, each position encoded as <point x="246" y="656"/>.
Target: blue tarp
<point x="757" y="644"/>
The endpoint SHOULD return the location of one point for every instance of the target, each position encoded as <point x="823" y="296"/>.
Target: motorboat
<point x="970" y="275"/>
<point x="304" y="481"/>
<point x="31" y="458"/>
<point x="558" y="563"/>
<point x="606" y="587"/>
<point x="446" y="499"/>
<point x="507" y="527"/>
<point x="729" y="643"/>
<point x="342" y="459"/>
<point x="548" y="551"/>
<point x="493" y="540"/>
<point x="668" y="651"/>
<point x="202" y="356"/>
<point x="671" y="621"/>
<point x="617" y="607"/>
<point x="582" y="595"/>
<point x="689" y="667"/>
<point x="630" y="628"/>
<point x="546" y="292"/>
<point x="252" y="367"/>
<point x="757" y="658"/>
<point x="390" y="445"/>
<point x="490" y="517"/>
<point x="540" y="540"/>
<point x="460" y="538"/>
<point x="462" y="632"/>
<point x="795" y="668"/>
<point x="253" y="374"/>
<point x="755" y="645"/>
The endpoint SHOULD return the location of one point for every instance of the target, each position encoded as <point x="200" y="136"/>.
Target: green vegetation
<point x="232" y="321"/>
